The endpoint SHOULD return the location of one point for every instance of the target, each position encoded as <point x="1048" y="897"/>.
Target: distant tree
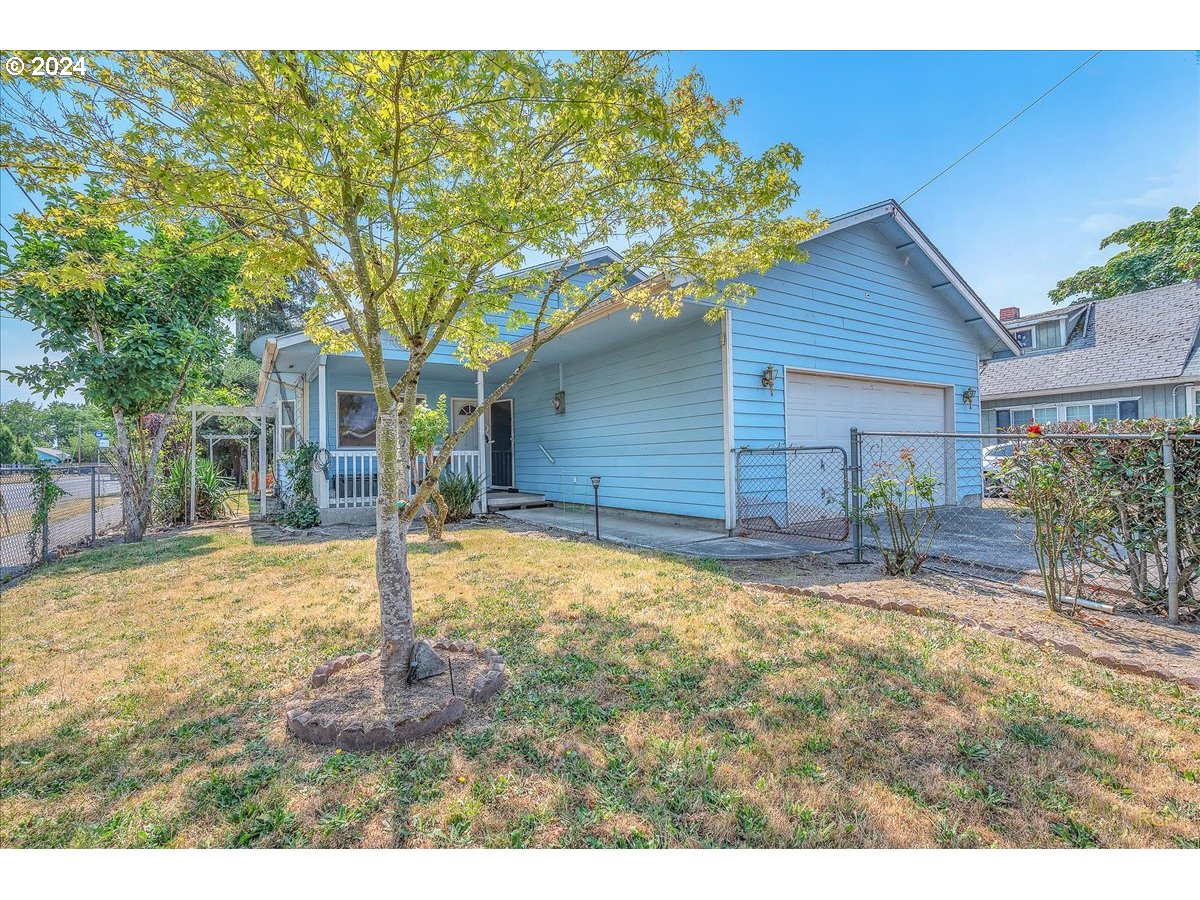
<point x="281" y="312"/>
<point x="137" y="321"/>
<point x="23" y="417"/>
<point x="8" y="445"/>
<point x="26" y="454"/>
<point x="1160" y="253"/>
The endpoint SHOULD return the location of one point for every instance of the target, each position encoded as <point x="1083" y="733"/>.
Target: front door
<point x="502" y="443"/>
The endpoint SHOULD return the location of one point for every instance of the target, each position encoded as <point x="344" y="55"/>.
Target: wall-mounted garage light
<point x="969" y="397"/>
<point x="768" y="379"/>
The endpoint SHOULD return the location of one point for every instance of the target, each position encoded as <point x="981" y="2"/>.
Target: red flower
<point x="1034" y="429"/>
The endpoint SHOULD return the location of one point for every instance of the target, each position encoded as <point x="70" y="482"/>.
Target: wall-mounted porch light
<point x="969" y="397"/>
<point x="768" y="379"/>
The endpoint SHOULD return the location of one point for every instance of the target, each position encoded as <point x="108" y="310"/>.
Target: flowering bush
<point x="905" y="500"/>
<point x="1099" y="506"/>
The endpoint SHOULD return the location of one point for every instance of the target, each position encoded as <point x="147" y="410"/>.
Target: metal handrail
<point x="546" y="453"/>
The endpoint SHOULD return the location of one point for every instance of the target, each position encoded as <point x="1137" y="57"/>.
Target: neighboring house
<point x="51" y="455"/>
<point x="874" y="330"/>
<point x="1128" y="357"/>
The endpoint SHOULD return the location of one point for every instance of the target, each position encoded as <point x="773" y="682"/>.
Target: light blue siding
<point x="349" y="373"/>
<point x="852" y="308"/>
<point x="645" y="416"/>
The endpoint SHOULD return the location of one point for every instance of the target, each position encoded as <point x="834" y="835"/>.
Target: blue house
<point x="875" y="330"/>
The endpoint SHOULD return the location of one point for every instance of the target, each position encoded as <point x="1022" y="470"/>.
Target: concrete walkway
<point x="665" y="535"/>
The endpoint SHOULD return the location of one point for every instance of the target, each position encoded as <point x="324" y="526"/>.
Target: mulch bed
<point x="343" y="704"/>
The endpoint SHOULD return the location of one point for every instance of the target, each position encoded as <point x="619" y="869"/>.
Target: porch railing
<point x="354" y="475"/>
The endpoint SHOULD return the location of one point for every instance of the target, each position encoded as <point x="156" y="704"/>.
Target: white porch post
<point x="322" y="431"/>
<point x="481" y="430"/>
<point x="262" y="464"/>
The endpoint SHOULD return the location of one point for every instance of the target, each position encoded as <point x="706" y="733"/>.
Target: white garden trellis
<point x="258" y="415"/>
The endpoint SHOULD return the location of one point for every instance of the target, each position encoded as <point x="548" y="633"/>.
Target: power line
<point x="1040" y="98"/>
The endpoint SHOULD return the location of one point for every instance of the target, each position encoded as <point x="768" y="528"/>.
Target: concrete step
<point x="499" y="501"/>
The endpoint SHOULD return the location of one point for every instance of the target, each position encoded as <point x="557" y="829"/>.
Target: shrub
<point x="460" y="491"/>
<point x="297" y="496"/>
<point x="1105" y="499"/>
<point x="214" y="492"/>
<point x="300" y="514"/>
<point x="905" y="500"/>
<point x="1052" y="489"/>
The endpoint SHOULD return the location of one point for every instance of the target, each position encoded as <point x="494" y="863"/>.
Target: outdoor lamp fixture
<point x="596" y="492"/>
<point x="768" y="379"/>
<point x="969" y="397"/>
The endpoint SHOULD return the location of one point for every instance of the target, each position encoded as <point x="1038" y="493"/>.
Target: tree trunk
<point x="391" y="555"/>
<point x="135" y="500"/>
<point x="436" y="509"/>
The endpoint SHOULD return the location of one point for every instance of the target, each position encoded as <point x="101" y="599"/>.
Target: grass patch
<point x="654" y="703"/>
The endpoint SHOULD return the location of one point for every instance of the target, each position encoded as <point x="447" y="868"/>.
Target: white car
<point x="993" y="460"/>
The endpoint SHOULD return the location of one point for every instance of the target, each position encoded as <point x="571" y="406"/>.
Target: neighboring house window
<point x="1042" y="336"/>
<point x="1048" y="335"/>
<point x="356" y="415"/>
<point x="1068" y="412"/>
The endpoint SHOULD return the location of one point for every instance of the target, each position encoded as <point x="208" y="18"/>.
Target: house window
<point x="1046" y="415"/>
<point x="1127" y="409"/>
<point x="1068" y="412"/>
<point x="357" y="413"/>
<point x="1048" y="335"/>
<point x="1042" y="336"/>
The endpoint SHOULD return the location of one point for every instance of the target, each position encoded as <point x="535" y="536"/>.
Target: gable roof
<point x="917" y="248"/>
<point x="1144" y="337"/>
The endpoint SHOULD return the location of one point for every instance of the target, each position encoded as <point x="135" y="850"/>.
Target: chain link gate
<point x="800" y="493"/>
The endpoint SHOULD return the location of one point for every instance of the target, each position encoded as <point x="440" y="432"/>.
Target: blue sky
<point x="1118" y="142"/>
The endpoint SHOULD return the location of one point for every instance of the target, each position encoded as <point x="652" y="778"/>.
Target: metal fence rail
<point x="89" y="507"/>
<point x="978" y="523"/>
<point x="798" y="494"/>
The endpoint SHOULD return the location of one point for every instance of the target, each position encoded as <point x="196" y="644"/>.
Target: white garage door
<point x="821" y="409"/>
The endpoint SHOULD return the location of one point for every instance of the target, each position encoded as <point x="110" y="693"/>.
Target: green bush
<point x="1116" y="524"/>
<point x="905" y="500"/>
<point x="460" y="491"/>
<point x="214" y="492"/>
<point x="299" y="499"/>
<point x="300" y="514"/>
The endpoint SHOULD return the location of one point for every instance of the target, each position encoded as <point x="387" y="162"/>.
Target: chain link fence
<point x="1112" y="519"/>
<point x="89" y="506"/>
<point x="797" y="494"/>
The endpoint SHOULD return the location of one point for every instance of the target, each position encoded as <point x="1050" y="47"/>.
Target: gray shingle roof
<point x="1148" y="336"/>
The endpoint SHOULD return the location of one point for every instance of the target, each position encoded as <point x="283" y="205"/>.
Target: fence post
<point x="855" y="497"/>
<point x="46" y="538"/>
<point x="1172" y="541"/>
<point x="93" y="504"/>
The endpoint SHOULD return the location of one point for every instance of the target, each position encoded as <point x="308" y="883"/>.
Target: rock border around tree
<point x="355" y="734"/>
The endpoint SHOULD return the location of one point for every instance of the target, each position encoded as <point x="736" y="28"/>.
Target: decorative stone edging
<point x="354" y="735"/>
<point x="1102" y="659"/>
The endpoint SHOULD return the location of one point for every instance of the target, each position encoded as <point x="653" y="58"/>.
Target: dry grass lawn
<point x="654" y="702"/>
